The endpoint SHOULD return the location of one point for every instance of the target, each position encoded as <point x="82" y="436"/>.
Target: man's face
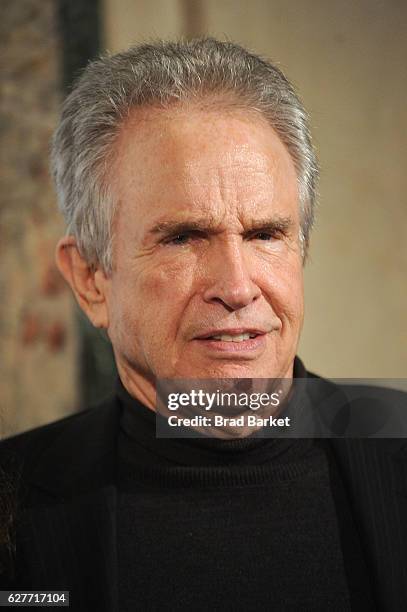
<point x="207" y="278"/>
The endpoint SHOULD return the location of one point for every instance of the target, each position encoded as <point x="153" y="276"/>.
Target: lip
<point x="245" y="348"/>
<point x="236" y="331"/>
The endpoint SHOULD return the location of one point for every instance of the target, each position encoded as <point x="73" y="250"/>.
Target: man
<point x="186" y="175"/>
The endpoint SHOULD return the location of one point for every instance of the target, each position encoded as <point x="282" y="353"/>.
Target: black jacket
<point x="64" y="476"/>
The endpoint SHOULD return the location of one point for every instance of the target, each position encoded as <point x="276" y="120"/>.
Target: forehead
<point x="181" y="159"/>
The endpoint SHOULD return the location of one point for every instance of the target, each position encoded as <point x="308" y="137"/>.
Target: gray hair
<point x="159" y="74"/>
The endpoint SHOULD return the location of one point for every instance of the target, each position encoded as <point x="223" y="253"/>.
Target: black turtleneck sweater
<point x="250" y="524"/>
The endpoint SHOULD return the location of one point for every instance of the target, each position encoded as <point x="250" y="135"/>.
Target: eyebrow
<point x="276" y="224"/>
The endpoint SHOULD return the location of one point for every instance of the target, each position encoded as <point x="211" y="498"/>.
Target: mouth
<point x="233" y="340"/>
<point x="231" y="335"/>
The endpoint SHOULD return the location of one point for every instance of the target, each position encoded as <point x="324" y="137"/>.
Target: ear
<point x="88" y="284"/>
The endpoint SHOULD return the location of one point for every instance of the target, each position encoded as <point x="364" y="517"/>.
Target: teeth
<point x="237" y="338"/>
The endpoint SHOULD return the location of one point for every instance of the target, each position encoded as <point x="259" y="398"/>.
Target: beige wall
<point x="38" y="374"/>
<point x="347" y="58"/>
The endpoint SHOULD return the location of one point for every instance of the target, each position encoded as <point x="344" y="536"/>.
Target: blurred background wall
<point x="37" y="332"/>
<point x="347" y="59"/>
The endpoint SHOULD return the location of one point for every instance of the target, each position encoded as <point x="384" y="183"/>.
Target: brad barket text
<point x="245" y="420"/>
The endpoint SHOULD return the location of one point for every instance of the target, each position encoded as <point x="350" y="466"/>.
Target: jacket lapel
<point x="374" y="472"/>
<point x="71" y="546"/>
<point x="67" y="534"/>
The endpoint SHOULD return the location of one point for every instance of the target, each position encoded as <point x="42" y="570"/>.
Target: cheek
<point x="164" y="281"/>
<point x="163" y="293"/>
<point x="125" y="318"/>
<point x="284" y="288"/>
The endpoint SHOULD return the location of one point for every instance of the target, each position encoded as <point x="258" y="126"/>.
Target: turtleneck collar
<point x="138" y="441"/>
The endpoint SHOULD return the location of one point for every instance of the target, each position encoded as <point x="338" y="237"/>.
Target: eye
<point x="179" y="239"/>
<point x="265" y="236"/>
<point x="182" y="238"/>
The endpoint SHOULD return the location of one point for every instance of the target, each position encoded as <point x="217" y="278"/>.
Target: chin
<point x="230" y="370"/>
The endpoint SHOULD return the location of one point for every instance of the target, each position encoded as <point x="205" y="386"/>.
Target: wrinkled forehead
<point x="192" y="159"/>
<point x="183" y="138"/>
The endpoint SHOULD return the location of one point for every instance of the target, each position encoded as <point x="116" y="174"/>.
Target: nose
<point x="229" y="280"/>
